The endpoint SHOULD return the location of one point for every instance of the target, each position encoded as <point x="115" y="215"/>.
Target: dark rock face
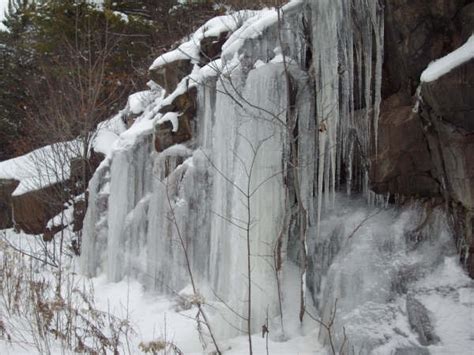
<point x="466" y="21"/>
<point x="34" y="209"/>
<point x="6" y="189"/>
<point x="452" y="97"/>
<point x="211" y="47"/>
<point x="169" y="75"/>
<point x="80" y="209"/>
<point x="186" y="105"/>
<point x="447" y="111"/>
<point x="403" y="163"/>
<point x="165" y="137"/>
<point x="428" y="153"/>
<point x="416" y="32"/>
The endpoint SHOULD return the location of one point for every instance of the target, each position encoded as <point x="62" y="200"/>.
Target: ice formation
<point x="279" y="123"/>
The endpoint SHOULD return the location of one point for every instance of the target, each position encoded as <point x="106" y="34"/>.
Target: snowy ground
<point x="446" y="292"/>
<point x="151" y="316"/>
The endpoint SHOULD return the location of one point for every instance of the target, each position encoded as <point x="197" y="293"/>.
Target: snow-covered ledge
<point x="444" y="65"/>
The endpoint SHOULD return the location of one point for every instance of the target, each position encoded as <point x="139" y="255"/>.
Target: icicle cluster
<point x="244" y="169"/>
<point x="347" y="41"/>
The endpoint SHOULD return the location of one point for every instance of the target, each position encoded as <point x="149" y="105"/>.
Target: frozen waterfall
<point x="288" y="120"/>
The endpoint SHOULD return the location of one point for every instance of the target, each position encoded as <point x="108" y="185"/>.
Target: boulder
<point x="211" y="47"/>
<point x="420" y="322"/>
<point x="169" y="75"/>
<point x="6" y="189"/>
<point x="429" y="153"/>
<point x="51" y="232"/>
<point x="34" y="209"/>
<point x="83" y="169"/>
<point x="447" y="110"/>
<point x="414" y="350"/>
<point x="416" y="32"/>
<point x="186" y="105"/>
<point x="79" y="213"/>
<point x="165" y="137"/>
<point x="451" y="97"/>
<point x="403" y="164"/>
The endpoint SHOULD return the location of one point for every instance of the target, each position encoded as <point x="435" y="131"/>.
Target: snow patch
<point x="42" y="167"/>
<point x="444" y="65"/>
<point x="170" y="117"/>
<point x="190" y="49"/>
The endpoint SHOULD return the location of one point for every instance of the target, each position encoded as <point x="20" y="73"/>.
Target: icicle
<point x="322" y="154"/>
<point x="357" y="28"/>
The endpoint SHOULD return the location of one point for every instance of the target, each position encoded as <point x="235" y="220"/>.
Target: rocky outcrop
<point x="451" y="97"/>
<point x="466" y="21"/>
<point x="169" y="75"/>
<point x="416" y="33"/>
<point x="165" y="137"/>
<point x="211" y="47"/>
<point x="184" y="104"/>
<point x="420" y="322"/>
<point x="447" y="110"/>
<point x="412" y="351"/>
<point x="428" y="153"/>
<point x="403" y="163"/>
<point x="6" y="189"/>
<point x="34" y="209"/>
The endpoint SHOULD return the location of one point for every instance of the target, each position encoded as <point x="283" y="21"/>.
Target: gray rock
<point x="412" y="351"/>
<point x="6" y="189"/>
<point x="420" y="322"/>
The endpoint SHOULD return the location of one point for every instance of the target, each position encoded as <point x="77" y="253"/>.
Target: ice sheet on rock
<point x="444" y="65"/>
<point x="238" y="133"/>
<point x="371" y="259"/>
<point x="177" y="150"/>
<point x="255" y="26"/>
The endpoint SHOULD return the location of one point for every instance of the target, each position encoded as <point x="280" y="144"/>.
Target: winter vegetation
<point x="236" y="177"/>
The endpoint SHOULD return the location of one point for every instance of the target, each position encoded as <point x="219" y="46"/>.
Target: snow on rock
<point x="170" y="117"/>
<point x="444" y="65"/>
<point x="190" y="49"/>
<point x="255" y="26"/>
<point x="280" y="58"/>
<point x="138" y="101"/>
<point x="104" y="141"/>
<point x="42" y="167"/>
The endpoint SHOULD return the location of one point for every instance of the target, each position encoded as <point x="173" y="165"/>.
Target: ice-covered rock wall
<point x="267" y="134"/>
